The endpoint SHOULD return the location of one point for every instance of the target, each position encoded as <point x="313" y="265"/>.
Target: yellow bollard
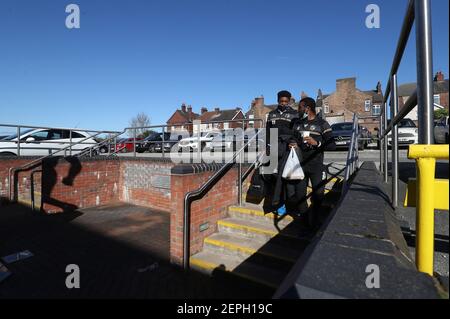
<point x="425" y="215"/>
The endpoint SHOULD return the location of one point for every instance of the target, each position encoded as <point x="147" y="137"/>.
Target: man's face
<point x="284" y="101"/>
<point x="302" y="108"/>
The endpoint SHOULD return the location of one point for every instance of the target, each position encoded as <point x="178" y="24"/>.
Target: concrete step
<point x="256" y="213"/>
<point x="235" y="245"/>
<point x="259" y="230"/>
<point x="211" y="263"/>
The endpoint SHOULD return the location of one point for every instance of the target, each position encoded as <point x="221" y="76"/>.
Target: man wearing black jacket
<point x="281" y="119"/>
<point x="312" y="135"/>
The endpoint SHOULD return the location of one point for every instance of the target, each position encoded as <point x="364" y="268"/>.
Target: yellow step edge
<point x="255" y="212"/>
<point x="249" y="228"/>
<point x="247" y="250"/>
<point x="211" y="266"/>
<point x="202" y="264"/>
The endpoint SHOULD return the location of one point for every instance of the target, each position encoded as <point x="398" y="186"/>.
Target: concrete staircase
<point x="256" y="245"/>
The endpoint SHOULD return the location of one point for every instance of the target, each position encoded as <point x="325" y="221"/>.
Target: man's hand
<point x="293" y="145"/>
<point x="310" y="141"/>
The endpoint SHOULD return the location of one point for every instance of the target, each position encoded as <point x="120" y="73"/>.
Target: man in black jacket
<point x="280" y="119"/>
<point x="312" y="135"/>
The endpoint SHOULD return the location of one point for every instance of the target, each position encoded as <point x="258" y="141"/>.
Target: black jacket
<point x="282" y="121"/>
<point x="320" y="130"/>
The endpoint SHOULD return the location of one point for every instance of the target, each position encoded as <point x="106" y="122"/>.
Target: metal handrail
<point x="201" y="192"/>
<point x="418" y="12"/>
<point x="34" y="162"/>
<point x="352" y="155"/>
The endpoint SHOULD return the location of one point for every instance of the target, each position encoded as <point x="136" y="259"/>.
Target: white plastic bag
<point x="292" y="170"/>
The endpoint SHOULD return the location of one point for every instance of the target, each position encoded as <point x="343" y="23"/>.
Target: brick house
<point x="182" y="119"/>
<point x="259" y="110"/>
<point x="340" y="105"/>
<point x="440" y="94"/>
<point x="209" y="119"/>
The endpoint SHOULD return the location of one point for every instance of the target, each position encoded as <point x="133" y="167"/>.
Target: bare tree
<point x="139" y="121"/>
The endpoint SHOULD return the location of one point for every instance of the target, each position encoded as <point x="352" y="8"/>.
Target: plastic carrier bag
<point x="292" y="169"/>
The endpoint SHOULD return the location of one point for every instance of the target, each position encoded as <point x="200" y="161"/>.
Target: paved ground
<point x="122" y="252"/>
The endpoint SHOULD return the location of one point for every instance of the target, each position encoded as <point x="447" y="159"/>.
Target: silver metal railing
<point x="352" y="163"/>
<point x="418" y="12"/>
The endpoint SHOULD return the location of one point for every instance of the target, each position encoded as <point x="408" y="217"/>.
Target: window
<point x="367" y="105"/>
<point x="40" y="136"/>
<point x="326" y="108"/>
<point x="376" y="110"/>
<point x="437" y="99"/>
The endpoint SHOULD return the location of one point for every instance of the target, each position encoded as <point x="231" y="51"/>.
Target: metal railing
<point x="418" y="12"/>
<point x="352" y="163"/>
<point x="200" y="192"/>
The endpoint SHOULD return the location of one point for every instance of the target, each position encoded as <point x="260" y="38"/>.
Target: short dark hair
<point x="284" y="94"/>
<point x="309" y="102"/>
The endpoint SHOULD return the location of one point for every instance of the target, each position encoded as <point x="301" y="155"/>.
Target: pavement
<point x="122" y="251"/>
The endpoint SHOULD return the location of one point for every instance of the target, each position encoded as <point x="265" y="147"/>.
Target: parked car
<point x="441" y="131"/>
<point x="342" y="133"/>
<point x="125" y="145"/>
<point x="42" y="142"/>
<point x="154" y="143"/>
<point x="407" y="133"/>
<point x="191" y="143"/>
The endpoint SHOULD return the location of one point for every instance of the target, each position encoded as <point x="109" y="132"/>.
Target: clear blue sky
<point x="150" y="56"/>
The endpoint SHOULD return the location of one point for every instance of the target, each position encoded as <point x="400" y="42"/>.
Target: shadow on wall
<point x="50" y="179"/>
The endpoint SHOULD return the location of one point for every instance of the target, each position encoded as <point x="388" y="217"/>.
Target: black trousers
<point x="296" y="194"/>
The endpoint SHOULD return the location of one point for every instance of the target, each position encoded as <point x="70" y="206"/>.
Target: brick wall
<point x="69" y="184"/>
<point x="146" y="183"/>
<point x="208" y="209"/>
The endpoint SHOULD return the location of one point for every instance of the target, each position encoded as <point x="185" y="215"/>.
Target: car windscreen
<point x="13" y="136"/>
<point x="342" y="127"/>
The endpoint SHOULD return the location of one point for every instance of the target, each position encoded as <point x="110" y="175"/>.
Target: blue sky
<point x="150" y="56"/>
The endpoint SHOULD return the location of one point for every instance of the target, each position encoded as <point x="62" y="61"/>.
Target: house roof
<point x="185" y="115"/>
<point x="408" y="89"/>
<point x="222" y="115"/>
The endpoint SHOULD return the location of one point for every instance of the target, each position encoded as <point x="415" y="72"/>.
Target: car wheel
<point x="103" y="150"/>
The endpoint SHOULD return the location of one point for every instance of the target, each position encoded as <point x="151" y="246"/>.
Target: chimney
<point x="259" y="101"/>
<point x="183" y="107"/>
<point x="319" y="94"/>
<point x="439" y="77"/>
<point x="217" y="110"/>
<point x="379" y="87"/>
<point x="303" y="95"/>
<point x="348" y="84"/>
<point x="189" y="109"/>
<point x="204" y="110"/>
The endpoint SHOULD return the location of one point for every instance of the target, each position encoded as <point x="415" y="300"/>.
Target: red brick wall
<point x="23" y="178"/>
<point x="146" y="183"/>
<point x="93" y="183"/>
<point x="210" y="208"/>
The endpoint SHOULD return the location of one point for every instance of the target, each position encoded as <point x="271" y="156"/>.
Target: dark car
<point x="342" y="133"/>
<point x="154" y="143"/>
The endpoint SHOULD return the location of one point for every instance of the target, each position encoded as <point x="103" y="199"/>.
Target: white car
<point x="192" y="142"/>
<point x="441" y="131"/>
<point x="407" y="133"/>
<point x="43" y="142"/>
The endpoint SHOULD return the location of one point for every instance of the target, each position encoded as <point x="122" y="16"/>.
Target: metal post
<point x="385" y="145"/>
<point x="199" y="143"/>
<point x="394" y="111"/>
<point x="424" y="53"/>
<point x="70" y="137"/>
<point x="240" y="167"/>
<point x="380" y="141"/>
<point x="18" y="141"/>
<point x="163" y="141"/>
<point x="134" y="142"/>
